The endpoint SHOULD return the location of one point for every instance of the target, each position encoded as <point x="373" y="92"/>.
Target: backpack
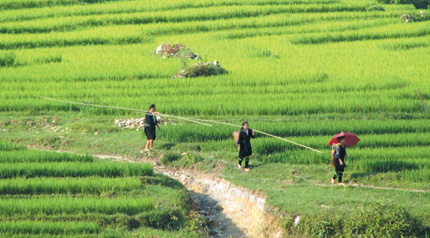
<point x="333" y="151"/>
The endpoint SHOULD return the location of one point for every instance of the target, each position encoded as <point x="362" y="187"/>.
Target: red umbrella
<point x="351" y="139"/>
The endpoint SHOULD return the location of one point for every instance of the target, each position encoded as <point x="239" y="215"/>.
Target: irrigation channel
<point x="231" y="210"/>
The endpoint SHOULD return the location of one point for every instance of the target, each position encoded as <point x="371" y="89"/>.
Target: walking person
<point x="339" y="160"/>
<point x="244" y="144"/>
<point x="150" y="123"/>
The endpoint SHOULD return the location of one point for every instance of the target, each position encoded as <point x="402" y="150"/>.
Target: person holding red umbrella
<point x="339" y="160"/>
<point x="340" y="142"/>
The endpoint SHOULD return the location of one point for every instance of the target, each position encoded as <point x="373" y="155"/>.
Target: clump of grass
<point x="162" y="219"/>
<point x="7" y="59"/>
<point x="267" y="54"/>
<point x="200" y="69"/>
<point x="169" y="157"/>
<point x="189" y="160"/>
<point x="371" y="220"/>
<point x="9" y="146"/>
<point x="196" y="224"/>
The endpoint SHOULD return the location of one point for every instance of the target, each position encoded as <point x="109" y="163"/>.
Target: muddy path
<point x="231" y="210"/>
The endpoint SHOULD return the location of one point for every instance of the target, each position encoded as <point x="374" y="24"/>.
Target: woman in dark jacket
<point x="339" y="160"/>
<point x="150" y="123"/>
<point x="244" y="145"/>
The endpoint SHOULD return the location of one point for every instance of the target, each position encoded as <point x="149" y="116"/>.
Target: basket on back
<point x="236" y="136"/>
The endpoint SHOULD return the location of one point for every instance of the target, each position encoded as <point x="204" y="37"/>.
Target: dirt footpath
<point x="231" y="210"/>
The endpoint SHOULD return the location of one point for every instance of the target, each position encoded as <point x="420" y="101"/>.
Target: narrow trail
<point x="231" y="211"/>
<point x="375" y="187"/>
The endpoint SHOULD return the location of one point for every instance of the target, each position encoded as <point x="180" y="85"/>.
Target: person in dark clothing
<point x="339" y="160"/>
<point x="244" y="145"/>
<point x="149" y="126"/>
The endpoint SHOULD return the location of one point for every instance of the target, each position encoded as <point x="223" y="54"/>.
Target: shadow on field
<point x="159" y="179"/>
<point x="391" y="166"/>
<point x="167" y="146"/>
<point x="361" y="175"/>
<point x="385" y="166"/>
<point x="254" y="166"/>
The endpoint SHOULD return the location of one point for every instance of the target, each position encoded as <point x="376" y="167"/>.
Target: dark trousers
<point x="338" y="174"/>
<point x="246" y="162"/>
<point x="339" y="170"/>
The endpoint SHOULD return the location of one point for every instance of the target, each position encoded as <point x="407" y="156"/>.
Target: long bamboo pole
<point x="123" y="108"/>
<point x="194" y="120"/>
<point x="264" y="133"/>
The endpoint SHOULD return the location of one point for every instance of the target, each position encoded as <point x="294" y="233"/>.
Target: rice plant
<point x="89" y="185"/>
<point x="74" y="169"/>
<point x="26" y="227"/>
<point x="74" y="205"/>
<point x="41" y="156"/>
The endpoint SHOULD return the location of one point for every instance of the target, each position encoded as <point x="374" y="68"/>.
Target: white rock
<point x="296" y="220"/>
<point x="159" y="48"/>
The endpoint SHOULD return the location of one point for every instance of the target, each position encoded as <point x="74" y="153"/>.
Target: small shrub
<point x="376" y="220"/>
<point x="162" y="219"/>
<point x="201" y="69"/>
<point x="319" y="226"/>
<point x="287" y="224"/>
<point x="196" y="224"/>
<point x="405" y="18"/>
<point x="372" y="220"/>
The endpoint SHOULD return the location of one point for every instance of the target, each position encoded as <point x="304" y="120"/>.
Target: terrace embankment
<point x="230" y="210"/>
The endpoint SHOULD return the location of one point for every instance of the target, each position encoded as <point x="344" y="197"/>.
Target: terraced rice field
<point x="301" y="69"/>
<point x="47" y="194"/>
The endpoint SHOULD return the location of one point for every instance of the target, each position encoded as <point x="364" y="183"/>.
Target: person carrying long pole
<point x="244" y="144"/>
